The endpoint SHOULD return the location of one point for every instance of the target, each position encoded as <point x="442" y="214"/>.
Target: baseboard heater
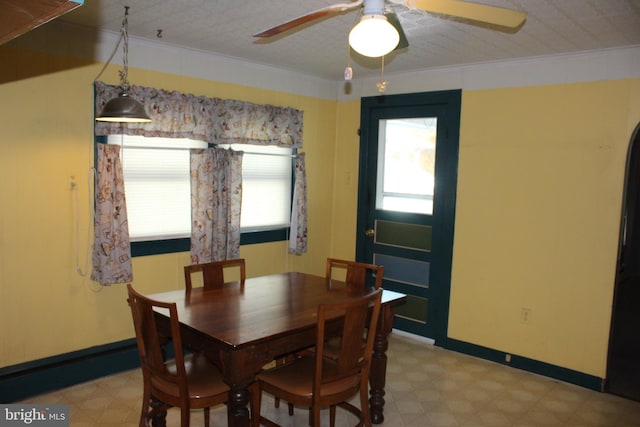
<point x="30" y="379"/>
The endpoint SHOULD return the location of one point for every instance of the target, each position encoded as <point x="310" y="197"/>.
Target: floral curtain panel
<point x="216" y="197"/>
<point x="213" y="120"/>
<point x="298" y="236"/>
<point x="111" y="250"/>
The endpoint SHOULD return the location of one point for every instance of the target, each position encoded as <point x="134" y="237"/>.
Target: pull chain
<point x="348" y="72"/>
<point x="382" y="84"/>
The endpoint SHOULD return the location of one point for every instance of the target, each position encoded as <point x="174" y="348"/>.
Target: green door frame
<point x="449" y="102"/>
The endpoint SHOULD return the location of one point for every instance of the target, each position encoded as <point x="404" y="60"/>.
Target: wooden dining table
<point x="243" y="326"/>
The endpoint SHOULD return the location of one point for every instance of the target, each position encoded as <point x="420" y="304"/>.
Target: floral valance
<point x="214" y="120"/>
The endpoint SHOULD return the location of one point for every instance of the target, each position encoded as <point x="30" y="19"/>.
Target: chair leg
<point x="279" y="362"/>
<point x="315" y="410"/>
<point x="256" y="402"/>
<point x="144" y="411"/>
<point x="206" y="417"/>
<point x="332" y="416"/>
<point x="277" y="405"/>
<point x="185" y="417"/>
<point x="365" y="411"/>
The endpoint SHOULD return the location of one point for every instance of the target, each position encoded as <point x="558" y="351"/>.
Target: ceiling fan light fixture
<point x="373" y="36"/>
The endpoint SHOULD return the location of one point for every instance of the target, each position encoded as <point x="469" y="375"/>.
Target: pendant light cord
<point x="106" y="64"/>
<point x="124" y="76"/>
<point x="124" y="35"/>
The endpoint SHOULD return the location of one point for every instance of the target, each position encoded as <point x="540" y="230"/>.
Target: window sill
<point x="158" y="247"/>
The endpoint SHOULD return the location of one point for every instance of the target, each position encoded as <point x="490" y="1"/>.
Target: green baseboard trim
<point x="30" y="379"/>
<point x="526" y="364"/>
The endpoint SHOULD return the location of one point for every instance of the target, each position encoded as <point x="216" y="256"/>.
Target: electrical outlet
<point x="72" y="182"/>
<point x="525" y="315"/>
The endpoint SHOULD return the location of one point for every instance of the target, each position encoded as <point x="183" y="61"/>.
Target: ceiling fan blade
<point x="472" y="11"/>
<point x="393" y="20"/>
<point x="311" y="16"/>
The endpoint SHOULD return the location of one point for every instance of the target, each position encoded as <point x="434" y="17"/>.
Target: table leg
<point x="378" y="373"/>
<point x="160" y="418"/>
<point x="238" y="412"/>
<point x="239" y="370"/>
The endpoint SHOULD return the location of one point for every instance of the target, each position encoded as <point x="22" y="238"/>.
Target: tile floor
<point x="426" y="386"/>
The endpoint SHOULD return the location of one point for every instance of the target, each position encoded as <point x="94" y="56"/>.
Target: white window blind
<point x="266" y="186"/>
<point x="158" y="189"/>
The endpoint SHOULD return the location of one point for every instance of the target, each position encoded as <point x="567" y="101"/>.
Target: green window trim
<point x="158" y="247"/>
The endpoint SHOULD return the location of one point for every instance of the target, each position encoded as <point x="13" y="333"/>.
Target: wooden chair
<point x="185" y="382"/>
<point x="356" y="279"/>
<point x="315" y="381"/>
<point x="356" y="272"/>
<point x="213" y="272"/>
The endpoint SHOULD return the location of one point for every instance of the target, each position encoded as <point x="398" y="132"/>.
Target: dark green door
<point x="406" y="201"/>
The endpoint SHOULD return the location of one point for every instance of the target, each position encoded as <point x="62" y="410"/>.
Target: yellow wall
<point x="540" y="183"/>
<point x="46" y="308"/>
<point x="541" y="172"/>
<point x="345" y="191"/>
<point x="540" y="180"/>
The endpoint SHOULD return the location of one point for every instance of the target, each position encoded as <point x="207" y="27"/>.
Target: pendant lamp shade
<point x="123" y="109"/>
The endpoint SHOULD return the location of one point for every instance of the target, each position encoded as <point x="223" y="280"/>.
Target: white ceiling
<point x="225" y="27"/>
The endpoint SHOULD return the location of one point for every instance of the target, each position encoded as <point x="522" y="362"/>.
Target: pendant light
<point x="124" y="108"/>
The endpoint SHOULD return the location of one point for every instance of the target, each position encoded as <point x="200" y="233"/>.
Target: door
<point x="406" y="201"/>
<point x="623" y="372"/>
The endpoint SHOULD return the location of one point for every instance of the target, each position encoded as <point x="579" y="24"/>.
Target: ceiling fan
<point x="376" y="12"/>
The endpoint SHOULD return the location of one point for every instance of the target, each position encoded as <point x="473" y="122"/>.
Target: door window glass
<point x="403" y="235"/>
<point x="406" y="164"/>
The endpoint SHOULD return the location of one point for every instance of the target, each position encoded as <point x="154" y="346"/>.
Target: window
<point x="266" y="186"/>
<point x="157" y="187"/>
<point x="406" y="165"/>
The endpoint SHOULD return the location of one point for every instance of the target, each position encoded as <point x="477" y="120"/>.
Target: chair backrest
<point x="213" y="272"/>
<point x="151" y="342"/>
<point x="357" y="333"/>
<point x="356" y="272"/>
